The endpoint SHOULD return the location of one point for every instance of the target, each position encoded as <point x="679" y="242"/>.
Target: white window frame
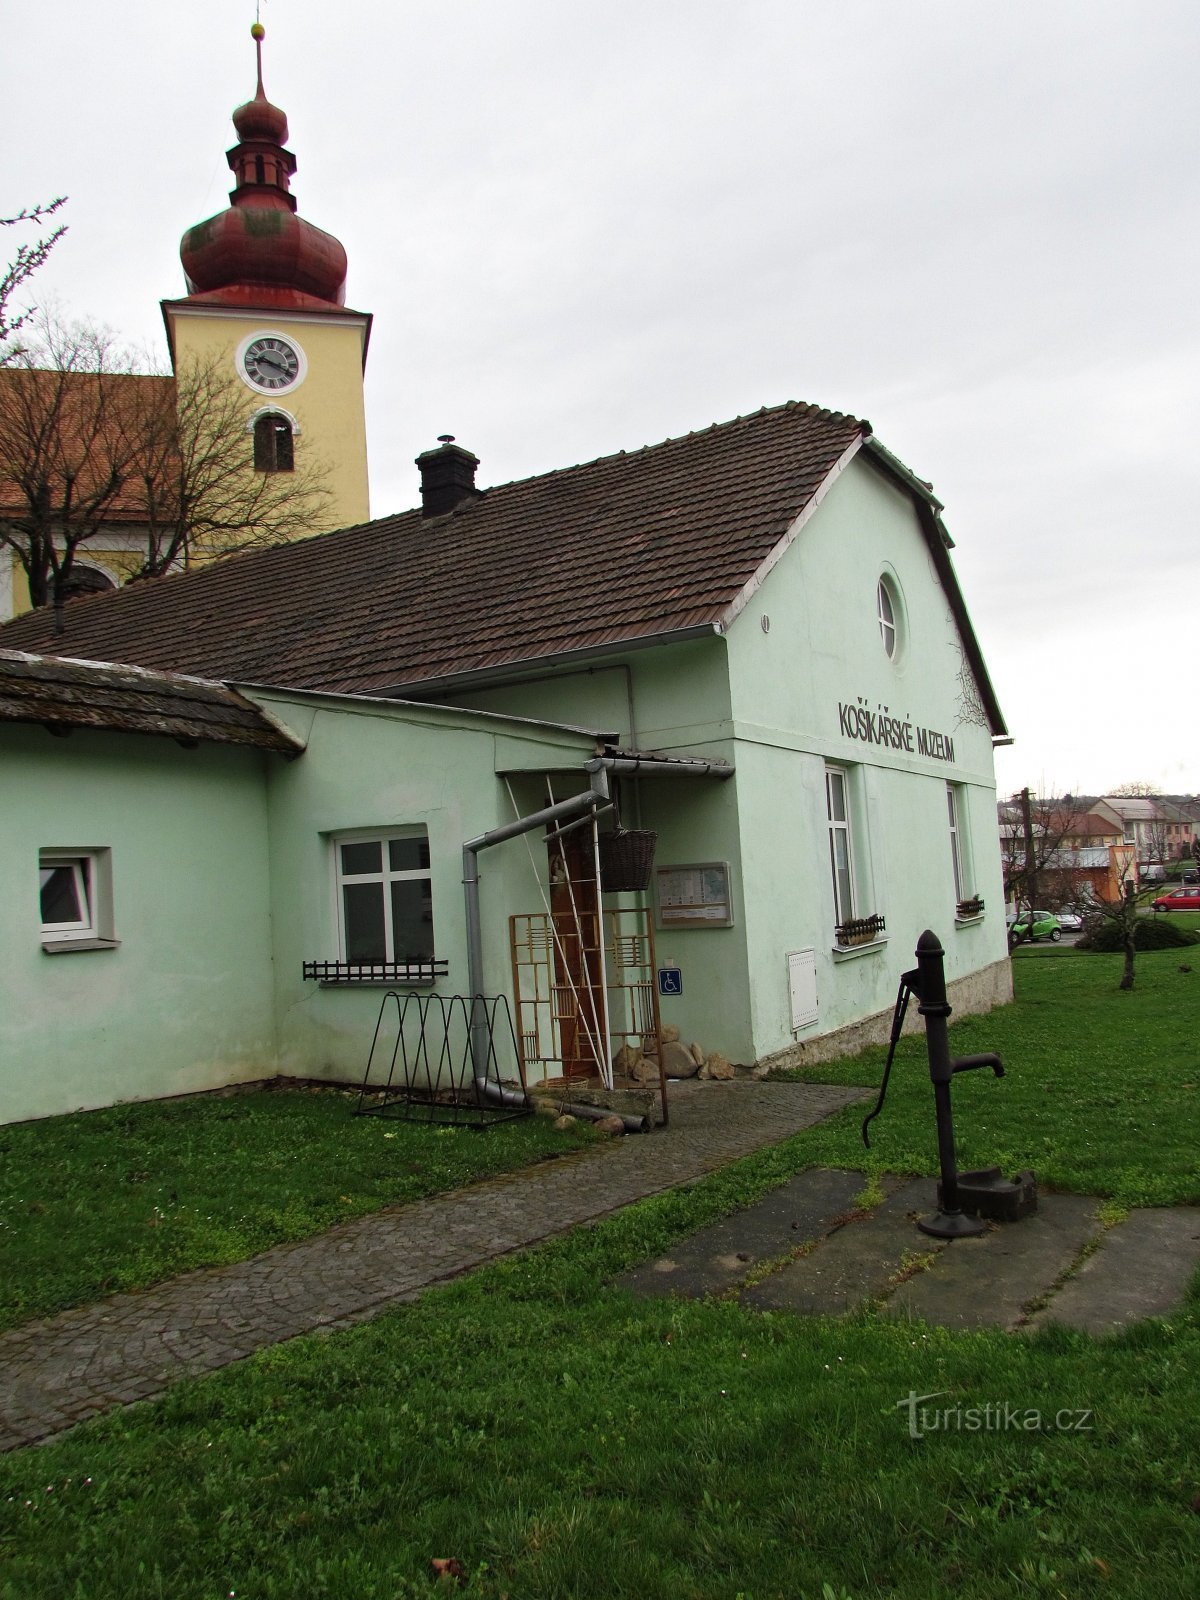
<point x="885" y="613"/>
<point x="957" y="861"/>
<point x="844" y="827"/>
<point x="962" y="856"/>
<point x="91" y="868"/>
<point x="385" y="876"/>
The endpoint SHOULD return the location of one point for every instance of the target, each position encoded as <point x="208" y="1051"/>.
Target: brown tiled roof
<point x="630" y="547"/>
<point x="1080" y="824"/>
<point x="63" y="694"/>
<point x="84" y="423"/>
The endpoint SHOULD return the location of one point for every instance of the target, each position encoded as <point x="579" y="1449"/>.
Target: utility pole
<point x="1030" y="861"/>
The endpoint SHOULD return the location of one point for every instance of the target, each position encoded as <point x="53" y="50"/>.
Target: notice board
<point x="694" y="896"/>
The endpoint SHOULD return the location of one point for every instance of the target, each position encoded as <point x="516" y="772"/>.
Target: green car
<point x="1045" y="926"/>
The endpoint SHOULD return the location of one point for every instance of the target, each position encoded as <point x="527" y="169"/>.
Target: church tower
<point x="266" y="303"/>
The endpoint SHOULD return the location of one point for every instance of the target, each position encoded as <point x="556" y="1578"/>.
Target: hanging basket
<point x="626" y="859"/>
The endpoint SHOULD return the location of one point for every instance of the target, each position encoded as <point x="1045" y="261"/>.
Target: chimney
<point x="447" y="476"/>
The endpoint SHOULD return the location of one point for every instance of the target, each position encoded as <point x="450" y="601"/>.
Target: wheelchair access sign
<point x="670" y="980"/>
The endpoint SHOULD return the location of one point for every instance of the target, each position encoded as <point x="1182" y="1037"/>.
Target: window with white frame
<point x="956" y="844"/>
<point x="969" y="904"/>
<point x="887" y="618"/>
<point x="841" y="855"/>
<point x="384" y="896"/>
<point x="889" y="613"/>
<point x="854" y="927"/>
<point x="75" y="889"/>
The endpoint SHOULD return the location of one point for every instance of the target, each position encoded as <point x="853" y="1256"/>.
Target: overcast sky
<point x="585" y="227"/>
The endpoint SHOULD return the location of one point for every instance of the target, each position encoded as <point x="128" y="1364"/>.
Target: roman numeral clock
<point x="270" y="363"/>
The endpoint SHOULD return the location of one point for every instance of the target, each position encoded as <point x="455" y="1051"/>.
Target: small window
<point x="385" y="897"/>
<point x="75" y="888"/>
<point x="274" y="448"/>
<point x="889" y="613"/>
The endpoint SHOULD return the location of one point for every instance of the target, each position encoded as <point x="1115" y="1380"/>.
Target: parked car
<point x="1069" y="921"/>
<point x="1185" y="899"/>
<point x="1045" y="926"/>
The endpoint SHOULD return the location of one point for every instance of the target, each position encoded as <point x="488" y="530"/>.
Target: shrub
<point x="1149" y="934"/>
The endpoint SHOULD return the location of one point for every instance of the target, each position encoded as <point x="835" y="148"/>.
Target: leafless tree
<point x="198" y="492"/>
<point x="88" y="443"/>
<point x="1138" y="789"/>
<point x="67" y="449"/>
<point x="1032" y="833"/>
<point x="17" y="272"/>
<point x="1122" y="914"/>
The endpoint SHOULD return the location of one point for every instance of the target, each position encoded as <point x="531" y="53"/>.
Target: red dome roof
<point x="259" y="119"/>
<point x="259" y="248"/>
<point x="252" y="245"/>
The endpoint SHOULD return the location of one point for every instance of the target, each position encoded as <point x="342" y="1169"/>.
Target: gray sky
<point x="589" y="227"/>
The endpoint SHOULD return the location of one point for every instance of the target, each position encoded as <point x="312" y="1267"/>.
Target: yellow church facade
<point x="265" y="315"/>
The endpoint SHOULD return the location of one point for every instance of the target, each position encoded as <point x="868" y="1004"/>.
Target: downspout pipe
<point x="579" y="804"/>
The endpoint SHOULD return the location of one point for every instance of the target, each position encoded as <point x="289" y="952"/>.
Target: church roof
<point x="88" y="428"/>
<point x="659" y="543"/>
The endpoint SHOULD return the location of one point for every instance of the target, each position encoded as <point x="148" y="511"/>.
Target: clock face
<point x="272" y="363"/>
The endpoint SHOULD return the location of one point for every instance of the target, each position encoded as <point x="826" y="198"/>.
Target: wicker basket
<point x="626" y="859"/>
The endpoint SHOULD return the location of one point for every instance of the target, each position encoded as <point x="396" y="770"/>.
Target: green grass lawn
<point x="1101" y="1093"/>
<point x="561" y="1439"/>
<point x="120" y="1199"/>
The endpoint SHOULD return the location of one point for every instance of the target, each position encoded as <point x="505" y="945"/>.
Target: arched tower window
<point x="274" y="450"/>
<point x="85" y="580"/>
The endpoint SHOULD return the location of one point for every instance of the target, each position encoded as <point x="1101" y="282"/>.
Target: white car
<point x="1069" y="921"/>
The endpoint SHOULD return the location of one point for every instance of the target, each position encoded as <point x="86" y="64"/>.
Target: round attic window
<point x="889" y="609"/>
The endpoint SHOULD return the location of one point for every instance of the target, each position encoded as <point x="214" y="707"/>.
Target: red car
<point x="1185" y="899"/>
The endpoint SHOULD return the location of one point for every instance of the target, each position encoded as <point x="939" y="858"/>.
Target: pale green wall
<point x="378" y="767"/>
<point x="184" y="1002"/>
<point x="824" y="646"/>
<point x="680" y="696"/>
<point x="767" y="701"/>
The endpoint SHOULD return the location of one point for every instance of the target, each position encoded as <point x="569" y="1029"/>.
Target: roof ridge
<point x="815" y="411"/>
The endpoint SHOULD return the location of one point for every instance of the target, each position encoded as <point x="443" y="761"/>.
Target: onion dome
<point x="259" y="252"/>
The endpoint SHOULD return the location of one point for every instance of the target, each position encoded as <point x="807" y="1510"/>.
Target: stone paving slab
<point x="987" y="1282"/>
<point x="1142" y="1268"/>
<point x="719" y="1257"/>
<point x="1061" y="1256"/>
<point x="58" y="1371"/>
<point x="855" y="1263"/>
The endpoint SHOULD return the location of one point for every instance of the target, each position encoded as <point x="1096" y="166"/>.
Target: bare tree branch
<point x="88" y="444"/>
<point x="20" y="269"/>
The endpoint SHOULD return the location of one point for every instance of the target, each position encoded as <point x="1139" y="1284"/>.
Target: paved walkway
<point x="56" y="1372"/>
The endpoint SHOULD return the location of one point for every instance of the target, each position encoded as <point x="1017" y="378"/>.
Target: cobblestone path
<point x="60" y="1370"/>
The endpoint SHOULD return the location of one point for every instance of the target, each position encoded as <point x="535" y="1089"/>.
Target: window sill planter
<point x="396" y="974"/>
<point x="858" y="935"/>
<point x="858" y="930"/>
<point x="969" y="910"/>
